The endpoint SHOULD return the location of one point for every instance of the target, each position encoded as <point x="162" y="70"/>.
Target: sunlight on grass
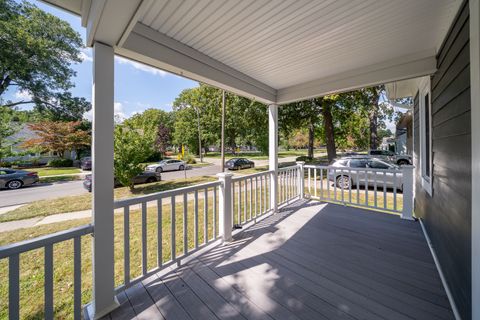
<point x="44" y="172"/>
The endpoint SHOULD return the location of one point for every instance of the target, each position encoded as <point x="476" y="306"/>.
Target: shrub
<point x="59" y="163"/>
<point x="304" y="158"/>
<point x="4" y="164"/>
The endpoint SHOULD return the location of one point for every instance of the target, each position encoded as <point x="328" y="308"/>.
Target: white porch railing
<point x="250" y="197"/>
<point x="46" y="243"/>
<point x="289" y="183"/>
<point x="155" y="231"/>
<point x="381" y="189"/>
<point x="198" y="206"/>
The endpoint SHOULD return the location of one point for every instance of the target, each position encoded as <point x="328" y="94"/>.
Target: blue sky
<point x="137" y="86"/>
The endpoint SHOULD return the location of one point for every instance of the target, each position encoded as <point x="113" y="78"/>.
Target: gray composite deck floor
<point x="310" y="261"/>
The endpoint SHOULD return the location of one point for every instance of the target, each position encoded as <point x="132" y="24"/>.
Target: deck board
<point x="309" y="261"/>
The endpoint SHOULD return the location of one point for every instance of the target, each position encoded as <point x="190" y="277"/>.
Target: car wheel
<point x="151" y="179"/>
<point x="343" y="182"/>
<point x="14" y="184"/>
<point x="252" y="166"/>
<point x="402" y="162"/>
<point x="159" y="169"/>
<point x="181" y="167"/>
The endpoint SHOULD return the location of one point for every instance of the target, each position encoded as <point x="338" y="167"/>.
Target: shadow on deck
<point x="310" y="261"/>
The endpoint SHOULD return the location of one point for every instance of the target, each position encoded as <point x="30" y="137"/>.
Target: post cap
<point x="224" y="174"/>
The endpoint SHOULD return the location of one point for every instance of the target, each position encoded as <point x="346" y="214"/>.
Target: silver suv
<point x="400" y="159"/>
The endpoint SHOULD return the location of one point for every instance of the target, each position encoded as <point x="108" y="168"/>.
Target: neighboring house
<point x="22" y="154"/>
<point x="388" y="143"/>
<point x="404" y="134"/>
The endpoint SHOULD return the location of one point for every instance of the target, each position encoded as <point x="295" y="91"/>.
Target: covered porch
<point x="311" y="260"/>
<point x="295" y="257"/>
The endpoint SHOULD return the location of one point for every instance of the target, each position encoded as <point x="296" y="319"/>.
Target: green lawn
<point x="46" y="171"/>
<point x="45" y="208"/>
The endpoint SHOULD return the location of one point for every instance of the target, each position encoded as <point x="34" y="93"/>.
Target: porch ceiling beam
<point x="149" y="46"/>
<point x="399" y="69"/>
<point x="111" y="21"/>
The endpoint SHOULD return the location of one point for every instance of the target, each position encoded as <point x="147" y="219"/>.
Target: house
<point x="404" y="134"/>
<point x="279" y="52"/>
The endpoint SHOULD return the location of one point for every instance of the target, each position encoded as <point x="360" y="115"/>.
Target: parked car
<point x="86" y="163"/>
<point x="145" y="177"/>
<point x="345" y="179"/>
<point x="15" y="179"/>
<point x="400" y="159"/>
<point x="239" y="163"/>
<point x="166" y="165"/>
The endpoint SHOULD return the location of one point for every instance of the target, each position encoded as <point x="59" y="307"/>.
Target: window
<point x="358" y="163"/>
<point x="426" y="136"/>
<point x="378" y="165"/>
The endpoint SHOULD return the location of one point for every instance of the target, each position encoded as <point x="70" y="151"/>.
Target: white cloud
<point x="118" y="112"/>
<point x="141" y="67"/>
<point x="23" y="95"/>
<point x="85" y="55"/>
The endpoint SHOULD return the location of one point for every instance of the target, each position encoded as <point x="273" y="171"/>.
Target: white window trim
<point x="424" y="90"/>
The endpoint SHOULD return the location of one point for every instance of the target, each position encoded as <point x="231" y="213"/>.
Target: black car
<point x="239" y="163"/>
<point x="145" y="177"/>
<point x="86" y="163"/>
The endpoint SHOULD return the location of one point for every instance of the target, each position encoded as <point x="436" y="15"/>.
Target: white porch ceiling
<point x="276" y="50"/>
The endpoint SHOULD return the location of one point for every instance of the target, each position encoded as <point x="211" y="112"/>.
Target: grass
<point x="45" y="171"/>
<point x="49" y="207"/>
<point x="59" y="179"/>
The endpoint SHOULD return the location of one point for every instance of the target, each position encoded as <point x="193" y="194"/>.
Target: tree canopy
<point x="36" y="53"/>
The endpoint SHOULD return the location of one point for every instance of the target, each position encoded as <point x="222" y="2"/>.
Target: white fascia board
<point x="408" y="67"/>
<point x="151" y="47"/>
<point x="402" y="89"/>
<point x="72" y="6"/>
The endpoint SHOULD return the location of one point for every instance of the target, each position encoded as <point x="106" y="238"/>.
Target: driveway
<point x="40" y="191"/>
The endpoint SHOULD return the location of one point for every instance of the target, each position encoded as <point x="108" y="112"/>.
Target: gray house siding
<point x="447" y="213"/>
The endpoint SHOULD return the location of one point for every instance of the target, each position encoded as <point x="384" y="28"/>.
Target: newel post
<point x="407" y="174"/>
<point x="301" y="179"/>
<point x="225" y="206"/>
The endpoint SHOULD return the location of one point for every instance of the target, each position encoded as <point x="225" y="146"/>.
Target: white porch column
<point x="475" y="118"/>
<point x="273" y="154"/>
<point x="102" y="179"/>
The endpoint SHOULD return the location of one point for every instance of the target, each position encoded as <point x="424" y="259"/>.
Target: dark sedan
<point x="145" y="177"/>
<point x="15" y="179"/>
<point x="239" y="163"/>
<point x="86" y="163"/>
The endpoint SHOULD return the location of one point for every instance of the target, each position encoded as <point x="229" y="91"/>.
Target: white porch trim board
<point x="475" y="118"/>
<point x="102" y="178"/>
<point x="273" y="154"/>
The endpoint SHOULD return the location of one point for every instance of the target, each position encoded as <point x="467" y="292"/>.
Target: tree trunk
<point x="311" y="137"/>
<point x="373" y="118"/>
<point x="4" y="83"/>
<point x="329" y="132"/>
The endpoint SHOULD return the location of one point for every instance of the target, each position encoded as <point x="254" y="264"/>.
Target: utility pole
<point x="199" y="135"/>
<point x="223" y="133"/>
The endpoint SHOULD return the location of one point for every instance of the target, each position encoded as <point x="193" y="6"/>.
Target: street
<point x="40" y="191"/>
<point x="43" y="191"/>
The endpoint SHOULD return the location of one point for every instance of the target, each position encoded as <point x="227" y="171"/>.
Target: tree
<point x="58" y="136"/>
<point x="131" y="148"/>
<point x="7" y="128"/>
<point x="164" y="138"/>
<point x="150" y="122"/>
<point x="36" y="52"/>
